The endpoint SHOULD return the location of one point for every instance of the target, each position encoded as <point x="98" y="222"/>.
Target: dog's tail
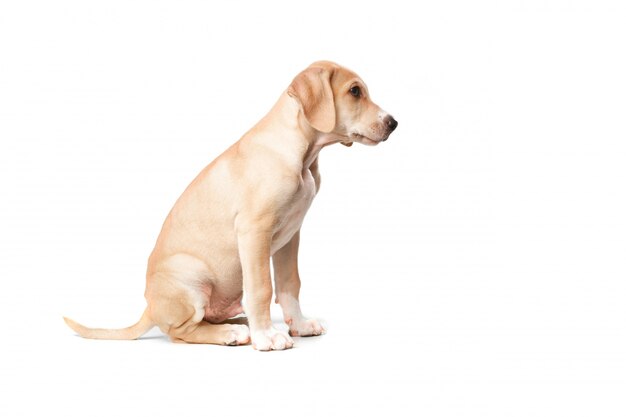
<point x="133" y="332"/>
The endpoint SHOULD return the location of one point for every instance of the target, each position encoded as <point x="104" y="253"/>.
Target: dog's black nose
<point x="391" y="123"/>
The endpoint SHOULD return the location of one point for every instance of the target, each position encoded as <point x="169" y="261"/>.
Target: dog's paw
<point x="306" y="327"/>
<point x="236" y="334"/>
<point x="271" y="339"/>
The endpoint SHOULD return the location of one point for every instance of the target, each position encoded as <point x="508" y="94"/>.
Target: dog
<point x="245" y="208"/>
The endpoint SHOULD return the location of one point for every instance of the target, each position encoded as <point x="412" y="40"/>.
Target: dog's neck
<point x="305" y="142"/>
<point x="301" y="142"/>
<point x="316" y="140"/>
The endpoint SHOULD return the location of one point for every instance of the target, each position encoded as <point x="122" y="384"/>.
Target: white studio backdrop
<point x="471" y="265"/>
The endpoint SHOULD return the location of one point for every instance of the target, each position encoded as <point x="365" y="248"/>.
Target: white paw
<point x="237" y="334"/>
<point x="306" y="327"/>
<point x="271" y="339"/>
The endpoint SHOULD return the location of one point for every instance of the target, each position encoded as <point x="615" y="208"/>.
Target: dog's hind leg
<point x="182" y="322"/>
<point x="178" y="307"/>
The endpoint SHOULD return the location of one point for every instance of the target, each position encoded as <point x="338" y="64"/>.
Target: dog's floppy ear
<point x="312" y="89"/>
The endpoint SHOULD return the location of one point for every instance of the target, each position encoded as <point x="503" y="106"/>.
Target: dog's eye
<point x="355" y="91"/>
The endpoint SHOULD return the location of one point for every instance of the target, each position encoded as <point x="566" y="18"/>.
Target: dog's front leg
<point x="287" y="281"/>
<point x="254" y="253"/>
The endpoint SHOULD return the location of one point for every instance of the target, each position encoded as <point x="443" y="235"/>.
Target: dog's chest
<point x="293" y="213"/>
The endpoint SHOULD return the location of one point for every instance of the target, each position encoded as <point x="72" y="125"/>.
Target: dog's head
<point x="335" y="100"/>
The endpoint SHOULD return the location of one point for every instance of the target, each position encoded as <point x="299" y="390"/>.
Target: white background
<point x="472" y="265"/>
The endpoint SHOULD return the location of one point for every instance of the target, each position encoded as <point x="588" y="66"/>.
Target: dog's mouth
<point x="358" y="137"/>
